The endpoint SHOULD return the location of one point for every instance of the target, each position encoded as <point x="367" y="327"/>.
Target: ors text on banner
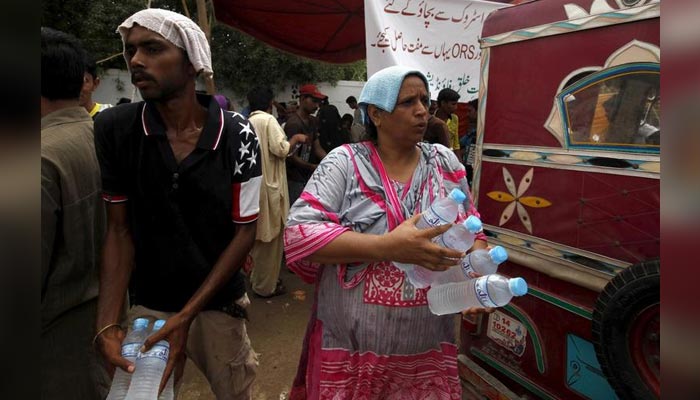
<point x="439" y="37"/>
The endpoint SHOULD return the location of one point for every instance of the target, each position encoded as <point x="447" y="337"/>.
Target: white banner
<point x="438" y="37"/>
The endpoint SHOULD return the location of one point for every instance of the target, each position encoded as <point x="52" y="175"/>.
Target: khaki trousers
<point x="219" y="346"/>
<point x="267" y="260"/>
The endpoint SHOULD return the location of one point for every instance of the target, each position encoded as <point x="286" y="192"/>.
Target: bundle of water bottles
<point x="471" y="283"/>
<point x="149" y="366"/>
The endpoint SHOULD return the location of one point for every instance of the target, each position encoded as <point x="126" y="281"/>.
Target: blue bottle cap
<point x="158" y="324"/>
<point x="473" y="224"/>
<point x="457" y="195"/>
<point x="517" y="286"/>
<point x="140" y="323"/>
<point x="498" y="254"/>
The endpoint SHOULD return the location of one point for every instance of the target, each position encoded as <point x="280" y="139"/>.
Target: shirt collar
<point x="64" y="116"/>
<point x="211" y="133"/>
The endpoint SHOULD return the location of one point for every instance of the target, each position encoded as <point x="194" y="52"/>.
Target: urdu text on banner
<point x="440" y="38"/>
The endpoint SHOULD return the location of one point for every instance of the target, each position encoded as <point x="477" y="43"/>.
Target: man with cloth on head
<point x="181" y="178"/>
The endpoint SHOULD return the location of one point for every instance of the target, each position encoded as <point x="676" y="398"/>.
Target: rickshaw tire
<point x="622" y="300"/>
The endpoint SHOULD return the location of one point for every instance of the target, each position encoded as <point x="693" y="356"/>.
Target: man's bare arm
<point x="115" y="271"/>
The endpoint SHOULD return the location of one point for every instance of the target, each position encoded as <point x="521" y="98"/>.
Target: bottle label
<point x="467" y="269"/>
<point x="432" y="218"/>
<point x="482" y="292"/>
<point x="157" y="351"/>
<point x="131" y="350"/>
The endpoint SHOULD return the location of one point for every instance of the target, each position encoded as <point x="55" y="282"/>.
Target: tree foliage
<point x="93" y="22"/>
<point x="240" y="61"/>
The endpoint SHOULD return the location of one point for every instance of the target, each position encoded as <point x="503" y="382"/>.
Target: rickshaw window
<point x="618" y="110"/>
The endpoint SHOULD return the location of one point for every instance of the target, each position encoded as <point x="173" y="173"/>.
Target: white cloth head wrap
<point x="178" y="30"/>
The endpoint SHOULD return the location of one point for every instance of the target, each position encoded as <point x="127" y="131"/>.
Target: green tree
<point x="240" y="61"/>
<point x="94" y="23"/>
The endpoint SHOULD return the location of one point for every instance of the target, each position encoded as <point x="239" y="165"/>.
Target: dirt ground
<point x="276" y="330"/>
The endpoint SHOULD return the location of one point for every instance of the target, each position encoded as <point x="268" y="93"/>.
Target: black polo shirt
<point x="182" y="216"/>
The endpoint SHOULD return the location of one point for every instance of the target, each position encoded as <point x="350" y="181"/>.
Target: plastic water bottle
<point x="149" y="369"/>
<point x="168" y="392"/>
<point x="443" y="211"/>
<point x="130" y="350"/>
<point x="487" y="291"/>
<point x="461" y="236"/>
<point x="479" y="261"/>
<point x="458" y="237"/>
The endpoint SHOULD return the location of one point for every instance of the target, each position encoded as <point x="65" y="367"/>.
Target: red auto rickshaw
<point x="567" y="178"/>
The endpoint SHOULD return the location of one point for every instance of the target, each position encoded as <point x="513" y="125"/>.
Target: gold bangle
<point x="101" y="331"/>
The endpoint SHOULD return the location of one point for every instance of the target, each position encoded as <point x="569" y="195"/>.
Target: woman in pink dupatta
<point x="371" y="334"/>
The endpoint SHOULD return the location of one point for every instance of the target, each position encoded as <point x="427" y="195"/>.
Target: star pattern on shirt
<point x="237" y="169"/>
<point x="248" y="148"/>
<point x="243" y="150"/>
<point x="246" y="129"/>
<point x="252" y="159"/>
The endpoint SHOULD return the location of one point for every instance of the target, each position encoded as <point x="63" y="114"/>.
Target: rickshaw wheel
<point x="626" y="331"/>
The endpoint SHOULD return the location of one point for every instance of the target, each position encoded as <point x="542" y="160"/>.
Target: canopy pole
<point x="206" y="27"/>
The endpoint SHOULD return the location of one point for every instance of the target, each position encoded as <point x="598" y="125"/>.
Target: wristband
<point x="101" y="331"/>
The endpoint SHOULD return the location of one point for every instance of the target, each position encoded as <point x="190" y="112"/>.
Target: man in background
<point x="274" y="202"/>
<point x="329" y="132"/>
<point x="357" y="130"/>
<point x="468" y="141"/>
<point x="446" y="107"/>
<point x="72" y="226"/>
<point x="437" y="131"/>
<point x="302" y="163"/>
<point x="90" y="83"/>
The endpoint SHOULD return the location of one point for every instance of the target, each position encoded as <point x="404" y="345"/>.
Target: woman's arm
<point x="405" y="244"/>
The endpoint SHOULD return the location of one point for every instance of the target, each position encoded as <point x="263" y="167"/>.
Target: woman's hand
<point x="410" y="245"/>
<point x="478" y="310"/>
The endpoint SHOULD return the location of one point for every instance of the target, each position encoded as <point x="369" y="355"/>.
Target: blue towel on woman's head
<point x="382" y="89"/>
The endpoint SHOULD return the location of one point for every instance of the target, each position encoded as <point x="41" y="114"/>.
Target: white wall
<point x="117" y="83"/>
<point x="336" y="94"/>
